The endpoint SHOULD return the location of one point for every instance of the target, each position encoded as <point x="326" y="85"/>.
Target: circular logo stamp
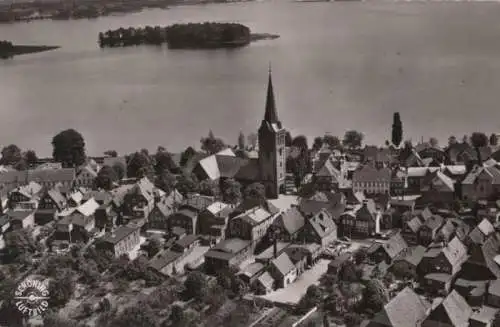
<point x="31" y="297"/>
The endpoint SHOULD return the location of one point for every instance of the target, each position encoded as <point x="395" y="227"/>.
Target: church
<point x="270" y="166"/>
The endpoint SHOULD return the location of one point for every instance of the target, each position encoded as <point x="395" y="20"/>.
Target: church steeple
<point x="271" y="115"/>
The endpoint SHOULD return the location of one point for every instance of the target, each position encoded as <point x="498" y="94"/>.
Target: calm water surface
<point x="336" y="66"/>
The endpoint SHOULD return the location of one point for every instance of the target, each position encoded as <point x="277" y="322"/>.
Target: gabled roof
<point x="480" y="233"/>
<point x="30" y="190"/>
<point x="145" y="188"/>
<point x="163" y="258"/>
<point x="51" y="175"/>
<point x="372" y="174"/>
<point x="406" y="309"/>
<point x="57" y="197"/>
<point x="456" y="253"/>
<point x="456" y="170"/>
<point x="414" y="224"/>
<point x="415" y="255"/>
<point x="117" y="235"/>
<point x="484" y="315"/>
<point x="328" y="170"/>
<point x="266" y="280"/>
<point x="453" y="309"/>
<point x="395" y="245"/>
<point x="88" y="208"/>
<point x="231" y="245"/>
<point x="322" y="223"/>
<point x="434" y="222"/>
<point x="291" y="220"/>
<point x="283" y="264"/>
<point x="477" y="171"/>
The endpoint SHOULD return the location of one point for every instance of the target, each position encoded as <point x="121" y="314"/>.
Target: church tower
<point x="272" y="162"/>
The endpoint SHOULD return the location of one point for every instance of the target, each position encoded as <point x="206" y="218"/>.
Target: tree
<point x="52" y="319"/>
<point x="164" y="162"/>
<point x="493" y="139"/>
<point x="300" y="142"/>
<point x="231" y="191"/>
<point x="69" y="148"/>
<point x="433" y="142"/>
<point x="397" y="130"/>
<point x="255" y="191"/>
<point x="375" y="295"/>
<point x="452" y="140"/>
<point x="353" y="139"/>
<point x="312" y="298"/>
<point x="195" y="285"/>
<point x="186" y="156"/>
<point x="111" y="153"/>
<point x="360" y="256"/>
<point x="241" y="141"/>
<point x="331" y="141"/>
<point x="61" y="288"/>
<point x="352" y="319"/>
<point x="478" y="141"/>
<point x="348" y="273"/>
<point x="211" y="144"/>
<point x="187" y="183"/>
<point x="465" y="139"/>
<point x="11" y="155"/>
<point x="30" y="158"/>
<point x="119" y="170"/>
<point x="317" y="143"/>
<point x="165" y="181"/>
<point x="140" y="315"/>
<point x="139" y="165"/>
<point x="19" y="242"/>
<point x="21" y="165"/>
<point x="105" y="178"/>
<point x="208" y="187"/>
<point x="152" y="247"/>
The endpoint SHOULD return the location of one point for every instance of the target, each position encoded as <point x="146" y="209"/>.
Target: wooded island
<point x="9" y="50"/>
<point x="184" y="36"/>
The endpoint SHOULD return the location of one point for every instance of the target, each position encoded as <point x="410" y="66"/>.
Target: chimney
<point x="275" y="247"/>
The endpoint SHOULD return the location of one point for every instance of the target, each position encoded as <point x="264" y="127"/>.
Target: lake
<point x="336" y="66"/>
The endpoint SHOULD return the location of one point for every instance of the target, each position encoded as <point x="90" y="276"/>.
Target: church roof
<point x="271" y="114"/>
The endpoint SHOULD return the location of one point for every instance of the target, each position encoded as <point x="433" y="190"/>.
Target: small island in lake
<point x="184" y="36"/>
<point x="9" y="50"/>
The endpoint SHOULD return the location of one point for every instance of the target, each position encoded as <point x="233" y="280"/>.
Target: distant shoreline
<point x="28" y="11"/>
<point x="17" y="50"/>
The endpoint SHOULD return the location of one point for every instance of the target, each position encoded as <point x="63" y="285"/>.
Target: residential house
<point x="164" y="206"/>
<point x="335" y="203"/>
<point x="320" y="229"/>
<point x="251" y="225"/>
<point x="25" y="193"/>
<point x="370" y="180"/>
<point x="428" y="231"/>
<point x="481" y="264"/>
<point x="380" y="157"/>
<point x="493" y="295"/>
<point x="75" y="224"/>
<point x="481" y="183"/>
<point x="139" y="200"/>
<point x="167" y="262"/>
<point x="21" y="219"/>
<point x="213" y="221"/>
<point x="75" y="198"/>
<point x="283" y="270"/>
<point x="120" y="241"/>
<point x="229" y="252"/>
<point x="86" y="175"/>
<point x="185" y="218"/>
<point x="438" y="188"/>
<point x="250" y="273"/>
<point x="50" y="177"/>
<point x="51" y="202"/>
<point x="328" y="177"/>
<point x="483" y="317"/>
<point x="388" y="251"/>
<point x="441" y="262"/>
<point x="303" y="256"/>
<point x="455" y="172"/>
<point x="264" y="284"/>
<point x="409" y="262"/>
<point x="287" y="226"/>
<point x="363" y="220"/>
<point x="481" y="232"/>
<point x="470" y="289"/>
<point x="416" y="177"/>
<point x="406" y="309"/>
<point x="427" y="150"/>
<point x="452" y="311"/>
<point x="106" y="216"/>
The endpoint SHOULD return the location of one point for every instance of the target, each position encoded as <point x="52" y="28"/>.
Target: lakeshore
<point x="17" y="50"/>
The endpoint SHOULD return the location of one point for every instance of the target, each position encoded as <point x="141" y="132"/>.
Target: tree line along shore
<point x="9" y="50"/>
<point x="182" y="36"/>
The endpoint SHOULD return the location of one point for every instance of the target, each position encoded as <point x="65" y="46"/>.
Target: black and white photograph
<point x="249" y="163"/>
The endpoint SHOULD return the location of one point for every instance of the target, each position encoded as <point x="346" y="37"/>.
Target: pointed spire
<point x="271" y="115"/>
